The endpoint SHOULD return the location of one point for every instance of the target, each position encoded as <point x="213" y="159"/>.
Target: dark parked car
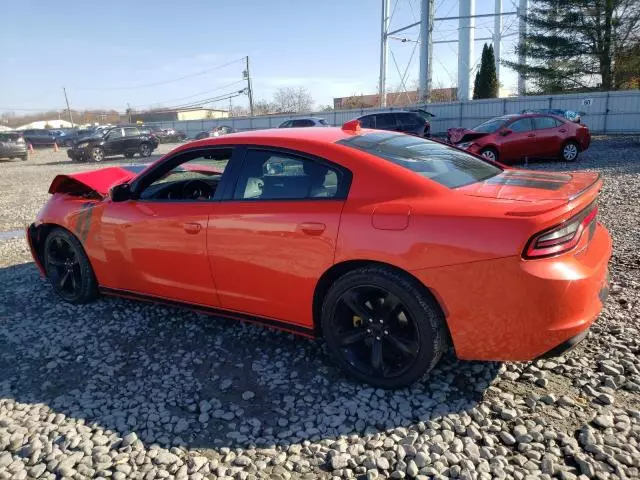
<point x="125" y="141"/>
<point x="39" y="137"/>
<point x="412" y="123"/>
<point x="305" y="122"/>
<point x="12" y="145"/>
<point x="216" y="132"/>
<point x="568" y="114"/>
<point x="171" y="135"/>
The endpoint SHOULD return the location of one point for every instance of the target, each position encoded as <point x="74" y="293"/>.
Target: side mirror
<point x="121" y="193"/>
<point x="505" y="131"/>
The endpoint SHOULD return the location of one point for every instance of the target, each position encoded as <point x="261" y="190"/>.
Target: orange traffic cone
<point x="55" y="147"/>
<point x="30" y="148"/>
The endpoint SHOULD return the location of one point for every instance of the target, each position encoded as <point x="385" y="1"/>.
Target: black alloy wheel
<point x="68" y="268"/>
<point x="382" y="328"/>
<point x="145" y="150"/>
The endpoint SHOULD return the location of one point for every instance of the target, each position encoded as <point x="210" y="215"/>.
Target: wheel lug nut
<point x="377" y="338"/>
<point x="381" y="321"/>
<point x="386" y="332"/>
<point x="368" y="330"/>
<point x="371" y="320"/>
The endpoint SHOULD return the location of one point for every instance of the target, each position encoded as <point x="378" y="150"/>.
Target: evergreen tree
<point x="486" y="82"/>
<point x="572" y="44"/>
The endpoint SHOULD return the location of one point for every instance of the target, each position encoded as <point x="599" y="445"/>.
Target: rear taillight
<point x="561" y="238"/>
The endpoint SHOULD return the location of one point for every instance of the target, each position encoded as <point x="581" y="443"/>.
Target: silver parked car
<point x="12" y="145"/>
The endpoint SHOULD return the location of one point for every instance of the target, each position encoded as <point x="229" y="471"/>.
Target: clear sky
<point x="107" y="53"/>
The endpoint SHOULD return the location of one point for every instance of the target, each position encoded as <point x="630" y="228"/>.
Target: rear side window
<point x="322" y="121"/>
<point x="131" y="132"/>
<point x="286" y="124"/>
<point x="386" y="121"/>
<point x="409" y="119"/>
<point x="268" y="175"/>
<point x="303" y="123"/>
<point x="446" y="165"/>
<point x="545" y="122"/>
<point x="522" y="125"/>
<point x="367" y="122"/>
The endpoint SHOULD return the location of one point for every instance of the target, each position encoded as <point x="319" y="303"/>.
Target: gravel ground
<point x="120" y="389"/>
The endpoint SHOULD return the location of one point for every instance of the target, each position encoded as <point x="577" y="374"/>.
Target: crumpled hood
<point x="459" y="134"/>
<point x="98" y="181"/>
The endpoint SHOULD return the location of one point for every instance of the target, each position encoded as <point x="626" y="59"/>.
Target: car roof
<point x="320" y="135"/>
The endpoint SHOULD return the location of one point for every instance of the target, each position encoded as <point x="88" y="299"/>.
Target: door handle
<point x="192" y="228"/>
<point x="563" y="130"/>
<point x="312" y="228"/>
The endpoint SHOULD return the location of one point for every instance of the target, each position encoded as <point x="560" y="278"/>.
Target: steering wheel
<point x="196" y="190"/>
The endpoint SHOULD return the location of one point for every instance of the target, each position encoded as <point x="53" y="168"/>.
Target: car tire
<point x="570" y="151"/>
<point x="24" y="157"/>
<point x="145" y="150"/>
<point x="97" y="154"/>
<point x="389" y="349"/>
<point x="68" y="268"/>
<point x="490" y="154"/>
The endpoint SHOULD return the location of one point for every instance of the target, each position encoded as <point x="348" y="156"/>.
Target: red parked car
<point x="390" y="246"/>
<point x="515" y="137"/>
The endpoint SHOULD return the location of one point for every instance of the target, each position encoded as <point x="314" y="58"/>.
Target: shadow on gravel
<point x="178" y="378"/>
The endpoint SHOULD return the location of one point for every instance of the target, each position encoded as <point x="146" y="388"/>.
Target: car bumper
<point x="14" y="151"/>
<point x="32" y="238"/>
<point x="518" y="310"/>
<point x="78" y="153"/>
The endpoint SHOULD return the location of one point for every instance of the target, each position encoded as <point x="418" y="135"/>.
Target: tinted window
<point x="303" y="123"/>
<point x="490" y="126"/>
<point x="545" y="122"/>
<point x="446" y="165"/>
<point x="367" y="122"/>
<point x="409" y="119"/>
<point x="385" y="121"/>
<point x="131" y="132"/>
<point x="322" y="121"/>
<point x="522" y="125"/>
<point x="286" y="124"/>
<point x="115" y="133"/>
<point x="272" y="175"/>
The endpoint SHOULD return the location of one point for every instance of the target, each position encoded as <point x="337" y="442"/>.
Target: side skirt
<point x="287" y="327"/>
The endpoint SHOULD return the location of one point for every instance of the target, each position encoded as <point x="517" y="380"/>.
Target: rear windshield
<point x="443" y="164"/>
<point x="322" y="121"/>
<point x="9" y="137"/>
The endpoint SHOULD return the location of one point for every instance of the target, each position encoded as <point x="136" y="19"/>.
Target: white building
<point x="46" y="124"/>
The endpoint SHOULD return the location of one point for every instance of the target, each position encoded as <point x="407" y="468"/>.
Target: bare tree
<point x="293" y="100"/>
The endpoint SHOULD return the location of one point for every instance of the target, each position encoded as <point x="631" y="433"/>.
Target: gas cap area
<point x="391" y="217"/>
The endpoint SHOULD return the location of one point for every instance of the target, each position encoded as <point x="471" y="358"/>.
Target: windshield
<point x="490" y="126"/>
<point x="443" y="164"/>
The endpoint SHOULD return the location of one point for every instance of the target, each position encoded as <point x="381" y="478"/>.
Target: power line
<point x="150" y="104"/>
<point x="164" y="82"/>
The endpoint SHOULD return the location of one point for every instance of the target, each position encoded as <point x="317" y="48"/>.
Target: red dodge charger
<point x="516" y="137"/>
<point x="390" y="246"/>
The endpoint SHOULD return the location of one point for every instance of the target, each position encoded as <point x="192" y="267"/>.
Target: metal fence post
<point x="606" y="113"/>
<point x="460" y="122"/>
<point x="550" y="102"/>
<point x="504" y="106"/>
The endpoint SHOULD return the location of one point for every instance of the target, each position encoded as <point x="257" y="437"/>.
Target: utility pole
<point x="497" y="37"/>
<point x="426" y="49"/>
<point x="247" y="75"/>
<point x="383" y="53"/>
<point x="68" y="109"/>
<point x="465" y="47"/>
<point x="522" y="37"/>
<point x="129" y="112"/>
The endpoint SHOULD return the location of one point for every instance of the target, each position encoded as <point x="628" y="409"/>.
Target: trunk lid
<point x="533" y="186"/>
